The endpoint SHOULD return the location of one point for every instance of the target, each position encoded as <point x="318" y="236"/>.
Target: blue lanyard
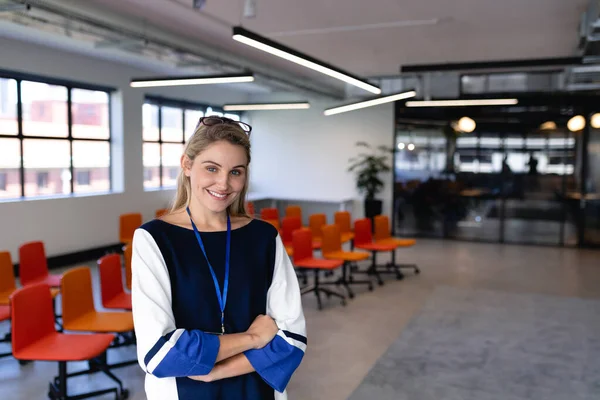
<point x="222" y="298"/>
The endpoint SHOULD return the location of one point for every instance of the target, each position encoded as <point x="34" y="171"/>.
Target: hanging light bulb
<point x="576" y="123"/>
<point x="548" y="126"/>
<point x="595" y="121"/>
<point x="401" y="146"/>
<point x="466" y="124"/>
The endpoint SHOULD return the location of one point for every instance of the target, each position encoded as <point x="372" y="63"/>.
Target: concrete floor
<point x="345" y="342"/>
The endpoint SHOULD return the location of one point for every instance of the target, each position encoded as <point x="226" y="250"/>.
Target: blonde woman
<point x="216" y="302"/>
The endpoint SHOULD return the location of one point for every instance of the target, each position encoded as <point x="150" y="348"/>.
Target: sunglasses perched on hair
<point x="210" y="121"/>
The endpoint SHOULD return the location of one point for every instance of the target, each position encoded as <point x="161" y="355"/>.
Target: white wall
<point x="305" y="154"/>
<point x="79" y="223"/>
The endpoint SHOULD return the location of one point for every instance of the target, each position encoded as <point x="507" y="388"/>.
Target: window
<point x="167" y="126"/>
<point x="63" y="129"/>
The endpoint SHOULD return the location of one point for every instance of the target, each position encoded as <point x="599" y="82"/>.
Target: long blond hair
<point x="203" y="137"/>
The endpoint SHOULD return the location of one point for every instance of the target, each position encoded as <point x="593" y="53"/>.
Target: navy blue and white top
<point x="175" y="307"/>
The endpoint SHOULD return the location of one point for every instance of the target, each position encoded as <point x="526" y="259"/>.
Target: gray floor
<point x="345" y="342"/>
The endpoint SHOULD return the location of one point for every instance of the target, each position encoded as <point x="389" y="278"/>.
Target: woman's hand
<point x="202" y="378"/>
<point x="263" y="330"/>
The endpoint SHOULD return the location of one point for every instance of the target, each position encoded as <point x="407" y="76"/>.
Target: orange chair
<point x="383" y="236"/>
<point x="79" y="313"/>
<point x="293" y="211"/>
<point x="33" y="265"/>
<point x="363" y="240"/>
<point x="250" y="209"/>
<point x="343" y="220"/>
<point x="269" y="214"/>
<point x="128" y="223"/>
<point x="111" y="283"/>
<point x="7" y="278"/>
<point x="303" y="259"/>
<point x="273" y="222"/>
<point x="34" y="338"/>
<point x="160" y="212"/>
<point x="288" y="226"/>
<point x="127" y="254"/>
<point x="5" y="316"/>
<point x="315" y="223"/>
<point x="331" y="249"/>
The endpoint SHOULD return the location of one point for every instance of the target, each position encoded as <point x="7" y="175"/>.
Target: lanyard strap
<point x="222" y="298"/>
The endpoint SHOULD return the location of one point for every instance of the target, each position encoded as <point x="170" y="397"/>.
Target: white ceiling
<point x="466" y="30"/>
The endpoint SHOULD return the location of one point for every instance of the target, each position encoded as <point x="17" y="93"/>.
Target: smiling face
<point x="217" y="175"/>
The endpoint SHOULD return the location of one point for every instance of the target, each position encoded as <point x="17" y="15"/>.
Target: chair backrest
<point x="288" y="226"/>
<point x="7" y="273"/>
<point x="128" y="223"/>
<point x="343" y="220"/>
<point x="77" y="295"/>
<point x="382" y="227"/>
<point x="127" y="255"/>
<point x="32" y="316"/>
<point x="269" y="214"/>
<point x="302" y="244"/>
<point x="160" y="212"/>
<point x="315" y="223"/>
<point x="362" y="231"/>
<point x="250" y="208"/>
<point x="111" y="277"/>
<point x="331" y="240"/>
<point x="293" y="211"/>
<point x="33" y="265"/>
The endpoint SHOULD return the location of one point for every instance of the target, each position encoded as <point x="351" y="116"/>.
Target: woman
<point x="216" y="302"/>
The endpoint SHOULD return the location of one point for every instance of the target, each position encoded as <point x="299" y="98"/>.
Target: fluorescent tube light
<point x="370" y="103"/>
<point x="266" y="106"/>
<point x="190" y="80"/>
<point x="261" y="43"/>
<point x="462" y="103"/>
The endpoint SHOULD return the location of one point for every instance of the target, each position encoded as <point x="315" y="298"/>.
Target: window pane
<point x="151" y="158"/>
<point x="10" y="163"/>
<point x="171" y="156"/>
<point x="89" y="111"/>
<point x="46" y="167"/>
<point x="150" y="122"/>
<point x="191" y="120"/>
<point x="8" y="107"/>
<point x="172" y="124"/>
<point x="91" y="163"/>
<point x="210" y="112"/>
<point x="44" y="109"/>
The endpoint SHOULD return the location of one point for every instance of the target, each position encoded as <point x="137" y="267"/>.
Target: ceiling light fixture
<point x="266" y="106"/>
<point x="462" y="103"/>
<point x="190" y="80"/>
<point x="576" y="123"/>
<point x="370" y="103"/>
<point x="262" y="43"/>
<point x="466" y="124"/>
<point x="595" y="121"/>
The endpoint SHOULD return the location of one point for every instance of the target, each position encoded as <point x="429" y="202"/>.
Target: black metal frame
<point x="317" y="289"/>
<point x="349" y="268"/>
<point x="161" y="102"/>
<point x="389" y="268"/>
<point x="69" y="85"/>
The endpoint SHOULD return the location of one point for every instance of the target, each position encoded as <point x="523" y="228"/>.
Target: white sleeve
<point x="277" y="361"/>
<point x="162" y="349"/>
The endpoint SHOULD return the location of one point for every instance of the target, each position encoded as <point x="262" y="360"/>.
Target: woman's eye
<point x="236" y="172"/>
<point x="211" y="169"/>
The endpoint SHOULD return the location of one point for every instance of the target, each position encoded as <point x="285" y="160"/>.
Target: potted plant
<point x="368" y="166"/>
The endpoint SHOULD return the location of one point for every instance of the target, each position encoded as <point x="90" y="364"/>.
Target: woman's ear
<point x="186" y="165"/>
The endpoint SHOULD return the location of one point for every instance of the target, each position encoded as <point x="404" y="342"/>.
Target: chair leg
<point x="317" y="293"/>
<point x="398" y="267"/>
<point x="373" y="269"/>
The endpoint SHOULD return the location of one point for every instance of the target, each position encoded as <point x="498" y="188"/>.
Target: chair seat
<point x="5" y="296"/>
<point x="4" y="312"/>
<point x="397" y="242"/>
<point x="318" y="263"/>
<point x="101" y="322"/>
<point x="66" y="347"/>
<point x="50" y="280"/>
<point x="316" y="243"/>
<point x="122" y="301"/>
<point x="346" y="255"/>
<point x="377" y="246"/>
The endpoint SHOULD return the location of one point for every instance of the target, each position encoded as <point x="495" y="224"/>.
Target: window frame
<point x="183" y="105"/>
<point x="19" y="77"/>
